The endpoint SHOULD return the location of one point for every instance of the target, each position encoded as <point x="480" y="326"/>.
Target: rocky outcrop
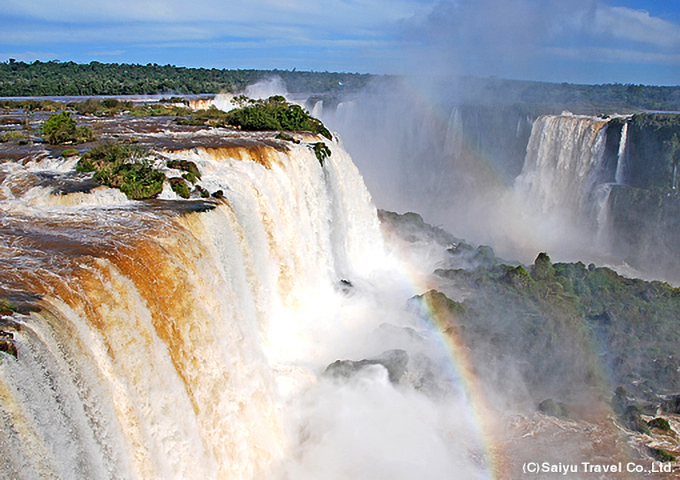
<point x="394" y="361"/>
<point x="7" y="344"/>
<point x="553" y="408"/>
<point x="645" y="227"/>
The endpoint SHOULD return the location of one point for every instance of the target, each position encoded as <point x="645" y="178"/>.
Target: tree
<point x="59" y="128"/>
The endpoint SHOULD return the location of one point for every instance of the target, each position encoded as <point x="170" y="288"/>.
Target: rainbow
<point x="461" y="368"/>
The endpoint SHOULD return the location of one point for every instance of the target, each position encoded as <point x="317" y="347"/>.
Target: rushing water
<point x="170" y="339"/>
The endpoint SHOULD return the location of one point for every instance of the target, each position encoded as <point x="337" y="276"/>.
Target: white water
<point x="621" y="163"/>
<point x="562" y="166"/>
<point x="190" y="346"/>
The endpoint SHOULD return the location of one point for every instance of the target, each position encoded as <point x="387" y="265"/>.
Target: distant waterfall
<point x="453" y="144"/>
<point x="563" y="166"/>
<point x="621" y="164"/>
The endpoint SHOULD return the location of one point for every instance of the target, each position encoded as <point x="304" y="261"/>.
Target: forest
<point x="55" y="78"/>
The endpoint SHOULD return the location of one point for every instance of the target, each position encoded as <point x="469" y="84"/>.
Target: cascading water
<point x="168" y="339"/>
<point x="621" y="163"/>
<point x="563" y="164"/>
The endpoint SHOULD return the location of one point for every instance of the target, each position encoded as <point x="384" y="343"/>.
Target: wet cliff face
<point x="653" y="152"/>
<point x="644" y="204"/>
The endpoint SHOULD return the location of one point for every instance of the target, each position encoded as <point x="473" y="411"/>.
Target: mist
<point x="461" y="150"/>
<point x="449" y="139"/>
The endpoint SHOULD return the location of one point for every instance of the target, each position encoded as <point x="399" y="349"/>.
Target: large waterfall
<point x="563" y="164"/>
<point x="169" y="339"/>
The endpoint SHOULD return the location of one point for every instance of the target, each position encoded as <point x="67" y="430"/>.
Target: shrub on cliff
<point x="321" y="151"/>
<point x="274" y="113"/>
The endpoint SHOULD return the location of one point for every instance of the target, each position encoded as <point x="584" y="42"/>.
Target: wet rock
<point x="345" y="286"/>
<point x="671" y="404"/>
<point x="484" y="256"/>
<point x="427" y="375"/>
<point x="394" y="361"/>
<point x="553" y="408"/>
<point x="607" y="317"/>
<point x="660" y="423"/>
<point x="661" y="455"/>
<point x="192" y="173"/>
<point x="7" y="344"/>
<point x="629" y="412"/>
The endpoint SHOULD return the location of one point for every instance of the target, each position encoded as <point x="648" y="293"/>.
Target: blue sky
<point x="582" y="41"/>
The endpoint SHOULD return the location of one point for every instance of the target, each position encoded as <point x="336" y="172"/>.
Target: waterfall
<point x="453" y="144"/>
<point x="621" y="163"/>
<point x="563" y="166"/>
<point x="171" y="339"/>
<point x="155" y="339"/>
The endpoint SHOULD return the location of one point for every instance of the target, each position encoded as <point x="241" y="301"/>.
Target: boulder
<point x="553" y="408"/>
<point x="394" y="361"/>
<point x="7" y="345"/>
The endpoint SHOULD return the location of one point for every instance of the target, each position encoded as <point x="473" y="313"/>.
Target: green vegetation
<point x="56" y="79"/>
<point x="555" y="97"/>
<point x="158" y="110"/>
<point x="192" y="174"/>
<point x="569" y="309"/>
<point x="321" y="151"/>
<point x="32" y="105"/>
<point x="274" y="113"/>
<point x="180" y="187"/>
<point x="660" y="423"/>
<point x="124" y="167"/>
<point x="69" y="152"/>
<point x="212" y="117"/>
<point x="286" y="137"/>
<point x="202" y="191"/>
<point x="654" y="151"/>
<point x="662" y="455"/>
<point x="7" y="307"/>
<point x="61" y="128"/>
<point x="12" y="135"/>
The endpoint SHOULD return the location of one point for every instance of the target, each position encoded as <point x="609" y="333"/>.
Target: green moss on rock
<point x="192" y="174"/>
<point x="180" y="187"/>
<point x="662" y="455"/>
<point x="7" y="307"/>
<point x="660" y="423"/>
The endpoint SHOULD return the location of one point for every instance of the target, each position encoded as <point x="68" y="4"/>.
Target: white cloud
<point x="636" y="25"/>
<point x="613" y="55"/>
<point x="104" y="34"/>
<point x="106" y="53"/>
<point x="350" y="14"/>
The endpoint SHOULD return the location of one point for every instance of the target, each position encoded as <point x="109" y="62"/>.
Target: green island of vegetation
<point x="125" y="167"/>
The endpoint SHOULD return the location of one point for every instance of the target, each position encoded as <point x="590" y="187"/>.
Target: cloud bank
<point x="529" y="39"/>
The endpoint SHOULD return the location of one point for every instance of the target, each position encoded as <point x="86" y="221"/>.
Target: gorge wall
<point x="593" y="188"/>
